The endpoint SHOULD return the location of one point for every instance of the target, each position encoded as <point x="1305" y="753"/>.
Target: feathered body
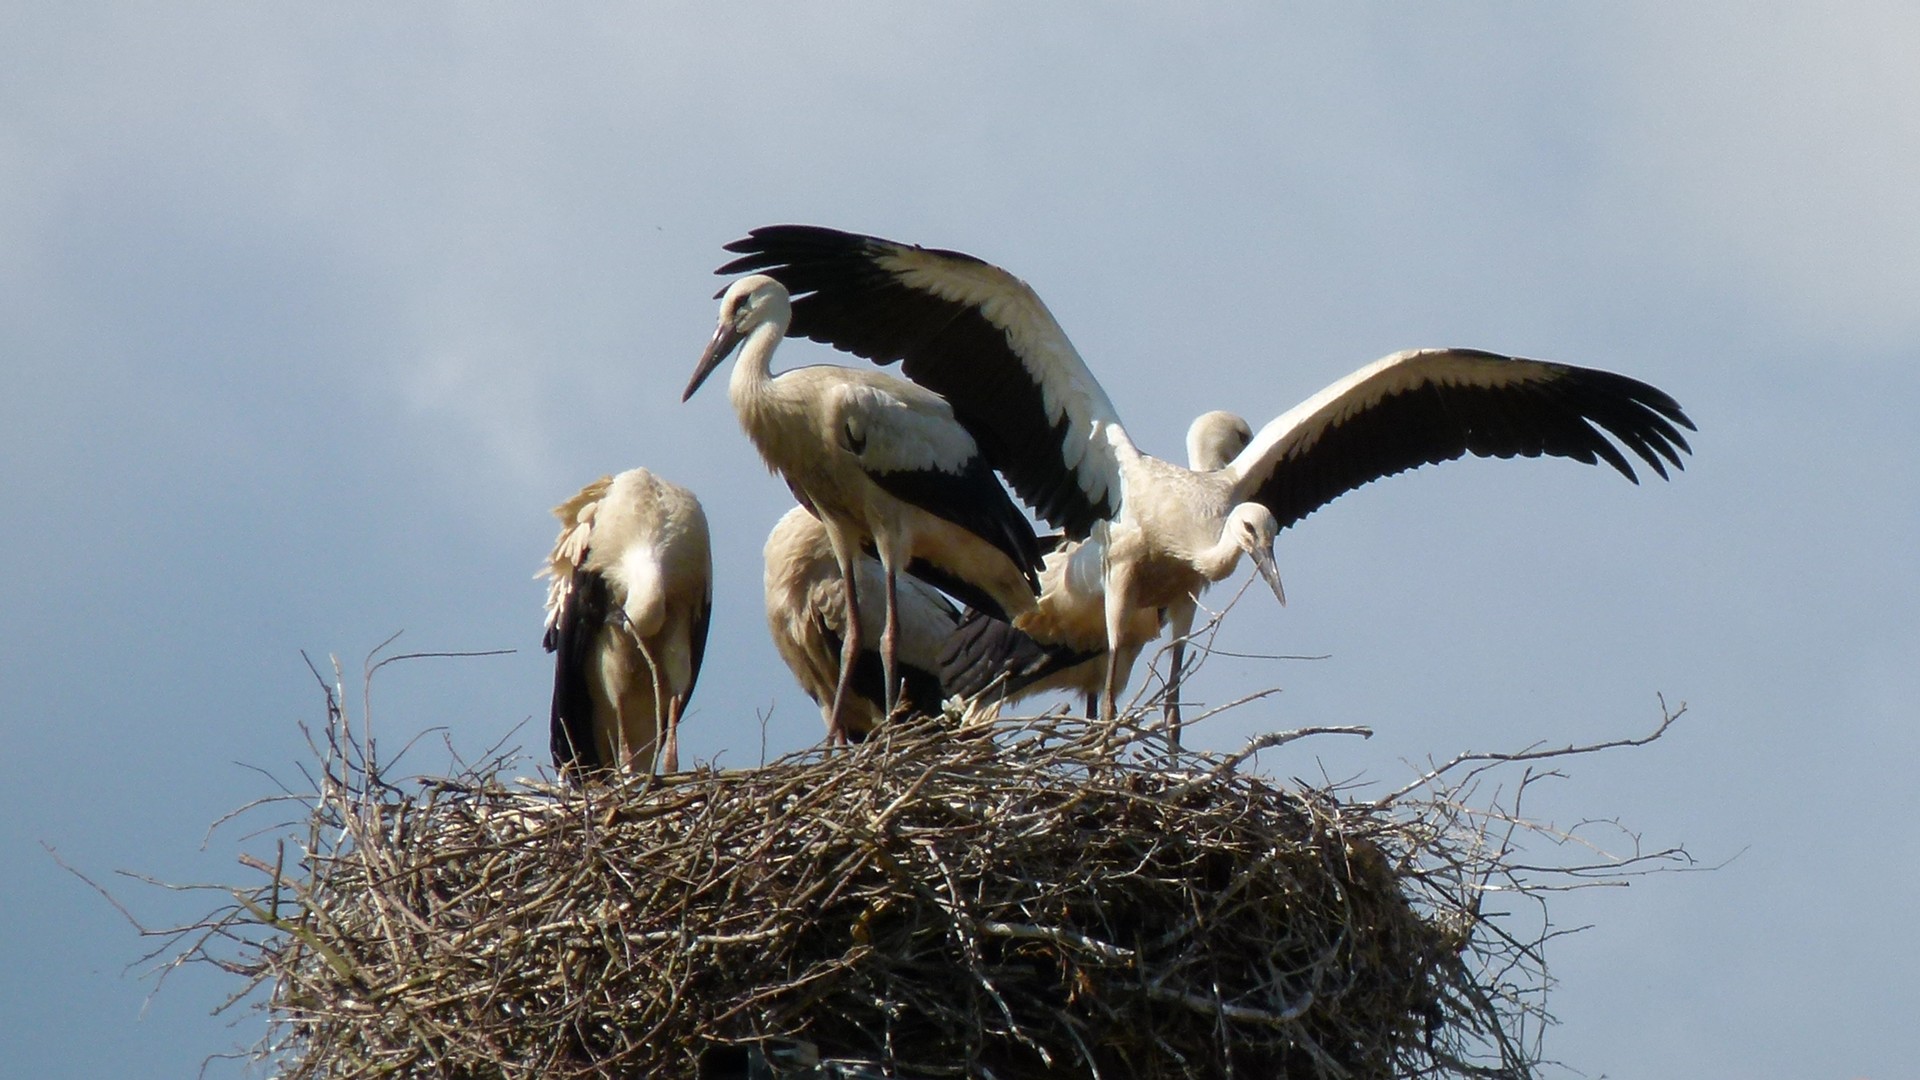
<point x="883" y="463"/>
<point x="627" y="617"/>
<point x="893" y="443"/>
<point x="1062" y="644"/>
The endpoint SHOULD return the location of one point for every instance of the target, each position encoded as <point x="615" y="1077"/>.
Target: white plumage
<point x="807" y="616"/>
<point x="1063" y="645"/>
<point x="882" y="462"/>
<point x="979" y="336"/>
<point x="627" y="615"/>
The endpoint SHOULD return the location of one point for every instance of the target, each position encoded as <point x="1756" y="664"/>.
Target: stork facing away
<point x="807" y="615"/>
<point x="627" y="615"/>
<point x="1063" y="644"/>
<point x="980" y="337"/>
<point x="881" y="461"/>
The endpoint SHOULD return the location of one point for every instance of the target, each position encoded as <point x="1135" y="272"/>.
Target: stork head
<point x="1214" y="439"/>
<point x="745" y="306"/>
<point x="1252" y="527"/>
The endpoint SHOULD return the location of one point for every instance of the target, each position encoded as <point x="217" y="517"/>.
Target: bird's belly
<point x="1157" y="583"/>
<point x="1059" y="621"/>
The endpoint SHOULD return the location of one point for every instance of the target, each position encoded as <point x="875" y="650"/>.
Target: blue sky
<point x="306" y="319"/>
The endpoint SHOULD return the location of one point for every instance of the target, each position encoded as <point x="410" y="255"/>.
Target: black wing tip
<point x="773" y="247"/>
<point x="570" y="733"/>
<point x="702" y="624"/>
<point x="922" y="690"/>
<point x="974" y="500"/>
<point x="777" y="244"/>
<point x="1582" y="414"/>
<point x="1648" y="421"/>
<point x="1641" y="393"/>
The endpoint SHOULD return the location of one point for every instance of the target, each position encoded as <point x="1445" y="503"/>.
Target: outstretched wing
<point x="970" y="332"/>
<point x="1424" y="406"/>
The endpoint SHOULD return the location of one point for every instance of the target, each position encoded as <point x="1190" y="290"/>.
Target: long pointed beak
<point x="1263" y="562"/>
<point x="725" y="337"/>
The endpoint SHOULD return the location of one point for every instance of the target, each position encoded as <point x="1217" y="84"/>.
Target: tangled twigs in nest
<point x="1043" y="897"/>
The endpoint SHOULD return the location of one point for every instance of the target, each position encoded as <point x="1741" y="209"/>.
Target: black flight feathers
<point x="583" y="611"/>
<point x="844" y="297"/>
<point x="975" y="501"/>
<point x="1567" y="415"/>
<point x="984" y="650"/>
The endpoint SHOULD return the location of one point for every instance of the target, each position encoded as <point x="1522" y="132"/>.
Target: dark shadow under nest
<point x="1022" y="898"/>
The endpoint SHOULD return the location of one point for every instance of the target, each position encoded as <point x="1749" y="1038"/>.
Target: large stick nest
<point x="1043" y="897"/>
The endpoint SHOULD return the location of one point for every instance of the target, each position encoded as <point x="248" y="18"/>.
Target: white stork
<point x="627" y="616"/>
<point x="881" y="461"/>
<point x="980" y="337"/>
<point x="1063" y="644"/>
<point x="807" y="615"/>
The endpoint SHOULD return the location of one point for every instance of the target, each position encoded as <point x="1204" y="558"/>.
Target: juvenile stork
<point x="881" y="461"/>
<point x="1063" y="644"/>
<point x="807" y="615"/>
<point x="980" y="337"/>
<point x="627" y="615"/>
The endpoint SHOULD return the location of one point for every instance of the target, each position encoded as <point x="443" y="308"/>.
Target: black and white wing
<point x="1424" y="406"/>
<point x="970" y="332"/>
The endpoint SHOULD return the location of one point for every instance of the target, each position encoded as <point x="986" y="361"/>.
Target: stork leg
<point x="1110" y="689"/>
<point x="850" y="647"/>
<point x="1170" y="705"/>
<point x="889" y="642"/>
<point x="1180" y="620"/>
<point x="1116" y="619"/>
<point x="670" y="741"/>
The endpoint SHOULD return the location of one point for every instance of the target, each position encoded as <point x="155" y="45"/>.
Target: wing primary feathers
<point x="1582" y="414"/>
<point x="702" y="621"/>
<point x="922" y="690"/>
<point x="844" y="297"/>
<point x="984" y="651"/>
<point x="572" y="640"/>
